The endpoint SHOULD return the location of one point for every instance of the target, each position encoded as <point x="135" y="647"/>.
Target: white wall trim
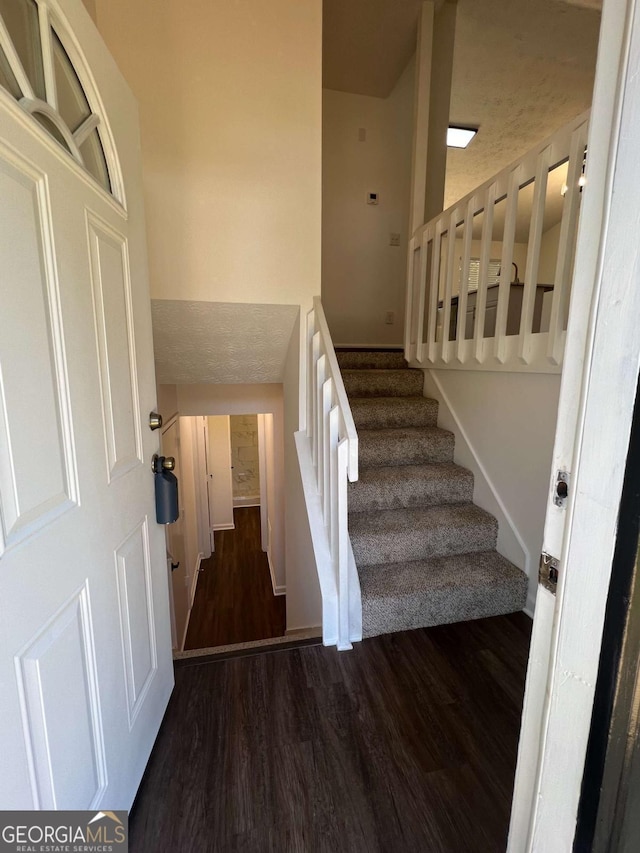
<point x="324" y="564"/>
<point x="192" y="595"/>
<point x="399" y="345"/>
<point x="500" y="510"/>
<point x="198" y="427"/>
<point x="277" y="590"/>
<point x="194" y="580"/>
<point x="246" y="500"/>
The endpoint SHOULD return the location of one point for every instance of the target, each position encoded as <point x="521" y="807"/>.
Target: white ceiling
<point x="220" y="342"/>
<point x="522" y="68"/>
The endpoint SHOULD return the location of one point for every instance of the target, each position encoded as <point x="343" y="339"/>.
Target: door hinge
<point x="548" y="572"/>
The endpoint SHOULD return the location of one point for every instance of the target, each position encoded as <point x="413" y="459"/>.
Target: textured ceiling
<point x="522" y="68"/>
<point x="220" y="342"/>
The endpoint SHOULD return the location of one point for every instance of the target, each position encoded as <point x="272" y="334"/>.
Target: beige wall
<point x="167" y="405"/>
<point x="230" y="111"/>
<point x="504" y="424"/>
<point x="549" y="254"/>
<point x="363" y="277"/>
<point x="90" y="6"/>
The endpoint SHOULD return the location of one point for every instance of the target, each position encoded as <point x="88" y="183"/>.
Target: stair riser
<point x="371" y="496"/>
<point x="423" y="611"/>
<point x="372" y="548"/>
<point x="383" y="383"/>
<point x="405" y="450"/>
<point x="371" y="360"/>
<point x="386" y="413"/>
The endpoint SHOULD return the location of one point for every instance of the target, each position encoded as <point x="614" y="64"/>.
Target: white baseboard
<point x="399" y="345"/>
<point x="192" y="595"/>
<point x="310" y="631"/>
<point x="277" y="589"/>
<point x="249" y="500"/>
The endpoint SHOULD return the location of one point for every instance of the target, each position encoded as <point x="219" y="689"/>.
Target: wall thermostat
<point x="373" y="198"/>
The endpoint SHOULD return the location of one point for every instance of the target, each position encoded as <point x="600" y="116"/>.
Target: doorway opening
<point x="228" y="531"/>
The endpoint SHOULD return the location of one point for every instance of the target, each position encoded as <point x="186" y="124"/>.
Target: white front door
<point x="85" y="649"/>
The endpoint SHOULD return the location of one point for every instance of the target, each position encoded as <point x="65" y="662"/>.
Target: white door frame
<point x="594" y="420"/>
<point x="264" y="460"/>
<point x="200" y="474"/>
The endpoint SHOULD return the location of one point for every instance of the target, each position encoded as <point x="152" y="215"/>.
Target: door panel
<point x="58" y="680"/>
<point x="136" y="616"/>
<point x="116" y="347"/>
<point x="37" y="465"/>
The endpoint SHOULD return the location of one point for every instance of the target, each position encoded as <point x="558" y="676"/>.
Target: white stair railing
<point x="456" y="319"/>
<point x="334" y="448"/>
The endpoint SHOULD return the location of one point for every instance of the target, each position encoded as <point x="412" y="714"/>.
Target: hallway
<point x="407" y="743"/>
<point x="234" y="601"/>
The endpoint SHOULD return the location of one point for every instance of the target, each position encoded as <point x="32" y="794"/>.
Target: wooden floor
<point x="234" y="600"/>
<point x="406" y="743"/>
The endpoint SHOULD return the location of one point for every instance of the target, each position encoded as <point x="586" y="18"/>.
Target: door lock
<point x="162" y="463"/>
<point x="548" y="572"/>
<point x="561" y="491"/>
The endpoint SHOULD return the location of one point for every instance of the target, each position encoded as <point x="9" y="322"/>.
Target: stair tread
<point x="383" y="412"/>
<point x="453" y="570"/>
<point x="396" y="486"/>
<point x="410" y="399"/>
<point x="405" y="446"/>
<point x="397" y="521"/>
<point x="418" y="533"/>
<point x="400" y="432"/>
<point x="436" y="591"/>
<point x="387" y="382"/>
<point x="428" y="471"/>
<point x="370" y="359"/>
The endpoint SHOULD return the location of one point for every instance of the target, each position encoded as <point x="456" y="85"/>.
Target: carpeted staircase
<point x="425" y="553"/>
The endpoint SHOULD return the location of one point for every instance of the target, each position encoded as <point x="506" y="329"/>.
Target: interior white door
<point x="220" y="479"/>
<point x="85" y="650"/>
<point x="175" y="538"/>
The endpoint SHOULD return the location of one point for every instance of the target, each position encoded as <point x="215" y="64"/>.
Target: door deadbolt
<point x="155" y="420"/>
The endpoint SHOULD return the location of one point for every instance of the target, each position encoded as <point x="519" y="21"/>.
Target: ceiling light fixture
<point x="460" y="137"/>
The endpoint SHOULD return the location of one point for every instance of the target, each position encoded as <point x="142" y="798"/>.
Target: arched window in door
<point x="37" y="70"/>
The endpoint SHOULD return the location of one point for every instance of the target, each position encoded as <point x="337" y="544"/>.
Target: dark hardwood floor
<point x="406" y="743"/>
<point x="234" y="600"/>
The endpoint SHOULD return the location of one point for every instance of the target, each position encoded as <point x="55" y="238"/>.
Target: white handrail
<point x="437" y="333"/>
<point x="334" y="447"/>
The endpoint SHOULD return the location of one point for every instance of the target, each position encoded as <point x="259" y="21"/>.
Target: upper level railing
<point x="466" y="305"/>
<point x="334" y="448"/>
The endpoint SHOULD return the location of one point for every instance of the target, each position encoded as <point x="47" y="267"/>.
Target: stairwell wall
<point x="504" y="424"/>
<point x="363" y="276"/>
<point x="304" y="599"/>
